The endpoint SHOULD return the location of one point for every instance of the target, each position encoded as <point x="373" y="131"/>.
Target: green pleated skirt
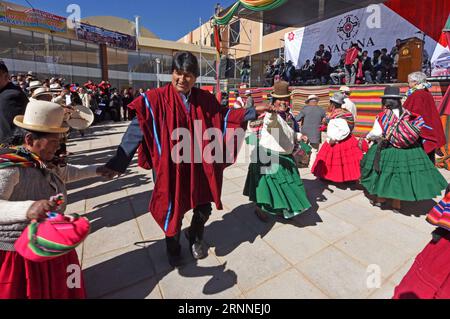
<point x="277" y="189"/>
<point x="406" y="174"/>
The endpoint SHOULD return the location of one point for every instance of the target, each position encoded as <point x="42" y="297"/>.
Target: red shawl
<point x="181" y="187"/>
<point x="422" y="102"/>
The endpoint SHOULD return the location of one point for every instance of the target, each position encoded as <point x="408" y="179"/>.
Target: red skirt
<point x="23" y="279"/>
<point x="429" y="276"/>
<point x="339" y="163"/>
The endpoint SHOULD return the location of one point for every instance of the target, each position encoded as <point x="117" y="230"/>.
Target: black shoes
<point x="261" y="215"/>
<point x="196" y="245"/>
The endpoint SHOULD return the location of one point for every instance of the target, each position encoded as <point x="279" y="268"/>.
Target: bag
<point x="52" y="238"/>
<point x="302" y="155"/>
<point x="402" y="132"/>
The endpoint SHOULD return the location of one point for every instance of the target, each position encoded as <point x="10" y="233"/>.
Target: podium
<point x="410" y="58"/>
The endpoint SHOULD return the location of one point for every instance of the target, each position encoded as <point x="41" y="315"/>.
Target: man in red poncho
<point x="163" y="115"/>
<point x="420" y="101"/>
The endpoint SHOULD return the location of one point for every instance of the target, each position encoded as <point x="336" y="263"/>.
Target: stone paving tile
<point x="355" y="214"/>
<point x="332" y="228"/>
<point x="294" y="244"/>
<point x="111" y="238"/>
<point x="234" y="172"/>
<point x="399" y="235"/>
<point x="202" y="279"/>
<point x="397" y="277"/>
<point x="261" y="263"/>
<point x="416" y="222"/>
<point x="145" y="289"/>
<point x="229" y="187"/>
<point x="386" y="291"/>
<point x="231" y="201"/>
<point x="337" y="274"/>
<point x="116" y="270"/>
<point x="372" y="250"/>
<point x="288" y="285"/>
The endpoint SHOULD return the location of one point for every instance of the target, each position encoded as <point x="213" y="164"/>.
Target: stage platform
<point x="366" y="97"/>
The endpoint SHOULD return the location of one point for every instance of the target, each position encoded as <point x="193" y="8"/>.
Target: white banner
<point x="373" y="28"/>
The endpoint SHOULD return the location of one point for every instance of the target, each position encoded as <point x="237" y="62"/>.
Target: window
<point x="23" y="47"/>
<point x="271" y="28"/>
<point x="61" y="51"/>
<point x="79" y="54"/>
<point x="235" y="33"/>
<point x="213" y="43"/>
<point x="42" y="47"/>
<point x="93" y="55"/>
<point x="6" y="44"/>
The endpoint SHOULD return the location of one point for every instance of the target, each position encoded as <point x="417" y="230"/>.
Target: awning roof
<point x="299" y="13"/>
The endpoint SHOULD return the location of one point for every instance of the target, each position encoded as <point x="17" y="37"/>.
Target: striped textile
<point x="299" y="96"/>
<point x="401" y="132"/>
<point x="366" y="97"/>
<point x="19" y="157"/>
<point x="440" y="214"/>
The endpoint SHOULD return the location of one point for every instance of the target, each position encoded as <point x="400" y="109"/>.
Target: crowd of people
<point x="355" y="66"/>
<point x="394" y="163"/>
<point x="107" y="103"/>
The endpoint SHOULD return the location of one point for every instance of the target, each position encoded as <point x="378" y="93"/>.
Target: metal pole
<point x="158" y="61"/>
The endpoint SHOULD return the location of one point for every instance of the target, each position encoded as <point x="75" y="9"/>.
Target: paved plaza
<point x="330" y="251"/>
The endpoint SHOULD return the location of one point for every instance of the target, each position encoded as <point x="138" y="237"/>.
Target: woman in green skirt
<point x="273" y="181"/>
<point x="396" y="166"/>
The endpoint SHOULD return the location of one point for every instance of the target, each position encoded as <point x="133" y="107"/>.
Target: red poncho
<point x="181" y="187"/>
<point x="421" y="102"/>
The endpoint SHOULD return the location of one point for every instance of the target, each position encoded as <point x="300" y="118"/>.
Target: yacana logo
<point x="291" y="36"/>
<point x="348" y="27"/>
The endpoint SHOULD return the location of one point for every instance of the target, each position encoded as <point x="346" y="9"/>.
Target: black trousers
<point x="201" y="216"/>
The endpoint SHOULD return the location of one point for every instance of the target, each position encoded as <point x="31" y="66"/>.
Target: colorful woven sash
<point x="401" y="132"/>
<point x="19" y="157"/>
<point x="440" y="214"/>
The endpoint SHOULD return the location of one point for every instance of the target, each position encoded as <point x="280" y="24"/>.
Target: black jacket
<point x="13" y="102"/>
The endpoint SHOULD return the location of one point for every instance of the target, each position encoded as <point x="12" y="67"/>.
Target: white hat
<point x="55" y="87"/>
<point x="312" y="97"/>
<point x="31" y="73"/>
<point x="248" y="92"/>
<point x="35" y="85"/>
<point x="81" y="118"/>
<point x="42" y="116"/>
<point x="338" y="98"/>
<point x="41" y="91"/>
<point x="344" y="89"/>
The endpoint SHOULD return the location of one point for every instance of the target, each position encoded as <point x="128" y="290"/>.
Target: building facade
<point x="33" y="41"/>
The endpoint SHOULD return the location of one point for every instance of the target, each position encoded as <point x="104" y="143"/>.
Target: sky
<point x="168" y="19"/>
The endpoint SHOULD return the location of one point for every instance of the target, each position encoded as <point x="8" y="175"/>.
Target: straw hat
<point x="42" y="116"/>
<point x="41" y="91"/>
<point x="281" y="90"/>
<point x="312" y="97"/>
<point x="56" y="87"/>
<point x="35" y="85"/>
<point x="344" y="89"/>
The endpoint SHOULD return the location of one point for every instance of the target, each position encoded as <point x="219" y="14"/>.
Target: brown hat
<point x="281" y="90"/>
